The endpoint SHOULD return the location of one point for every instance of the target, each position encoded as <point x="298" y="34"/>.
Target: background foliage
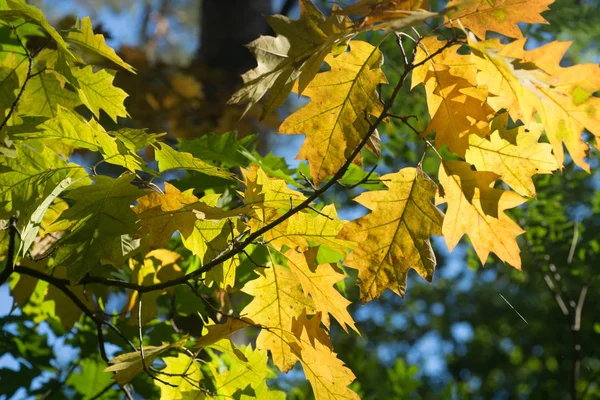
<point x="475" y="332"/>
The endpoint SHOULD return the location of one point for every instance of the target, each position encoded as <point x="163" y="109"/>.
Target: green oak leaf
<point x="96" y="91"/>
<point x="43" y="94"/>
<point x="20" y="10"/>
<point x="169" y="159"/>
<point x="30" y="177"/>
<point x="85" y="39"/>
<point x="95" y="223"/>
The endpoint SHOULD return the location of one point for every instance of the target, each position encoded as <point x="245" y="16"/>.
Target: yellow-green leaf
<point x="517" y="160"/>
<point x="85" y="38"/>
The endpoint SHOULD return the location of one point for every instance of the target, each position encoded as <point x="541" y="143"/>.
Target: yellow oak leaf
<point x="458" y="106"/>
<point x="459" y="65"/>
<point x="180" y="379"/>
<point x="158" y="266"/>
<point x="336" y="119"/>
<point x="207" y="240"/>
<point x="516" y="156"/>
<point x="476" y="209"/>
<point x="247" y="367"/>
<point x="525" y="82"/>
<point x="277" y="300"/>
<point x="502" y="16"/>
<point x="327" y="374"/>
<point x="318" y="282"/>
<point x="297" y="52"/>
<point x="304" y="228"/>
<point x="263" y="192"/>
<point x="216" y="332"/>
<point x="395" y="236"/>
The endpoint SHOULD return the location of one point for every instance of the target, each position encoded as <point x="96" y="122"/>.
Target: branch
<point x="10" y="256"/>
<point x="240" y="246"/>
<point x="62" y="285"/>
<point x="237" y="247"/>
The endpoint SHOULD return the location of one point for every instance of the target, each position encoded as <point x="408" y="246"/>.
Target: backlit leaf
<point x="476" y="209"/>
<point x="395" y="237"/>
<point x="342" y="100"/>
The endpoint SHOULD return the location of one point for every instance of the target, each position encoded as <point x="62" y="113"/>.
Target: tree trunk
<point x="226" y="27"/>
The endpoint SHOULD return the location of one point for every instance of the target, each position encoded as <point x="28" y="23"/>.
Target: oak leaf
<point x="327" y="374"/>
<point x="24" y="185"/>
<point x="304" y="228"/>
<point x="525" y="82"/>
<point x="476" y="209"/>
<point x="100" y="215"/>
<point x="83" y="36"/>
<point x="502" y="16"/>
<point x="318" y="282"/>
<point x="297" y="52"/>
<point x="96" y="91"/>
<point x="169" y="159"/>
<point x="247" y="367"/>
<point x="336" y="119"/>
<point x="156" y="267"/>
<point x="126" y="366"/>
<point x="515" y="155"/>
<point x="43" y="95"/>
<point x="180" y="379"/>
<point x="277" y="300"/>
<point x="395" y="237"/>
<point x="162" y="214"/>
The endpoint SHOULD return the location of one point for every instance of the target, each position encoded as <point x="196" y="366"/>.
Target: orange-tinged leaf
<point x="516" y="160"/>
<point x="502" y="16"/>
<point x="388" y="14"/>
<point x="476" y="209"/>
<point x="318" y="282"/>
<point x="395" y="236"/>
<point x="161" y="215"/>
<point x="335" y="120"/>
<point x="525" y="82"/>
<point x="463" y="111"/>
<point x="458" y="106"/>
<point x="277" y="300"/>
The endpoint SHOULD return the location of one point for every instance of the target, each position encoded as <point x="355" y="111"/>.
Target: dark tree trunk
<point x="226" y="26"/>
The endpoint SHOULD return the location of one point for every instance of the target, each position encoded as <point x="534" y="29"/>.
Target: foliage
<point x="210" y="239"/>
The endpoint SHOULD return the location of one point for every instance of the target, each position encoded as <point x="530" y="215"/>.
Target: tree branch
<point x="10" y="255"/>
